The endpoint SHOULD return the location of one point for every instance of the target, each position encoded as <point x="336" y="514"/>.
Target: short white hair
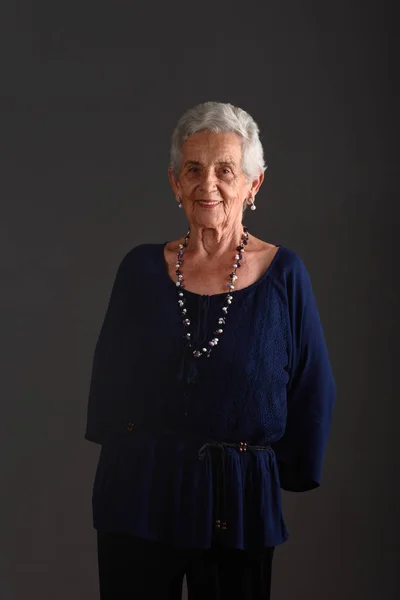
<point x="220" y="117"/>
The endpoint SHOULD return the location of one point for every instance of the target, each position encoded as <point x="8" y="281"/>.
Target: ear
<point x="256" y="184"/>
<point x="174" y="182"/>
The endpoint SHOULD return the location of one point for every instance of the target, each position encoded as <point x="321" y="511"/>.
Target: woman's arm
<point x="311" y="389"/>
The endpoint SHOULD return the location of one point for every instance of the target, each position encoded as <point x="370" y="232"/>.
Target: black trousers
<point x="132" y="568"/>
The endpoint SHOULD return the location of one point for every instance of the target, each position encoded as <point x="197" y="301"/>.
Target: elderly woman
<point x="211" y="386"/>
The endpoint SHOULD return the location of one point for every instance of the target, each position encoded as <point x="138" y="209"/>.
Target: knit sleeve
<point x="311" y="388"/>
<point x="109" y="371"/>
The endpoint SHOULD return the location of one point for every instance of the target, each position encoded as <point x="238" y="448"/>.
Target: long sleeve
<point x="110" y="372"/>
<point x="311" y="389"/>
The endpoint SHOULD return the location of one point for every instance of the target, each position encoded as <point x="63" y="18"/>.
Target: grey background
<point x="90" y="94"/>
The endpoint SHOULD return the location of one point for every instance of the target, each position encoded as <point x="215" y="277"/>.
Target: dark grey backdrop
<point x="90" y="95"/>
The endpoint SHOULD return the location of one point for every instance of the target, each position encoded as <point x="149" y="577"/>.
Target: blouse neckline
<point x="220" y="294"/>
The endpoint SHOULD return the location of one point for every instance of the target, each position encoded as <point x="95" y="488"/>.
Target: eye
<point x="193" y="169"/>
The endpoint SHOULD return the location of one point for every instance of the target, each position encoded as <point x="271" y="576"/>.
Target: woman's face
<point x="211" y="183"/>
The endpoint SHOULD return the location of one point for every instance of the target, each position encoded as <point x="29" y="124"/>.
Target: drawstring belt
<point x="216" y="452"/>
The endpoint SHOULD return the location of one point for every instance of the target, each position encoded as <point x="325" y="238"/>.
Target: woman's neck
<point x="207" y="242"/>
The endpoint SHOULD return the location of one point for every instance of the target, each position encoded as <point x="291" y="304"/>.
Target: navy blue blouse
<point x="173" y="428"/>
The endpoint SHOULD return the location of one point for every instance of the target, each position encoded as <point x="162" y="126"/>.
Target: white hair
<point x="220" y="117"/>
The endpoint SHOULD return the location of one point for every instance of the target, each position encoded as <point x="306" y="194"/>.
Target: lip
<point x="208" y="203"/>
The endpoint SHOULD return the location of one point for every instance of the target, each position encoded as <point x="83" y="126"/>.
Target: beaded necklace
<point x="206" y="351"/>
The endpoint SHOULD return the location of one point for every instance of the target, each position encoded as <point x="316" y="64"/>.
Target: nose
<point x="208" y="180"/>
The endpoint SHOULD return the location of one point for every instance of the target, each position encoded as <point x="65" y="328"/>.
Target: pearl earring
<point x="253" y="206"/>
<point x="179" y="202"/>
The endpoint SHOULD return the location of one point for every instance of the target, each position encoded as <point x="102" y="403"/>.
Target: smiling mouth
<point x="208" y="203"/>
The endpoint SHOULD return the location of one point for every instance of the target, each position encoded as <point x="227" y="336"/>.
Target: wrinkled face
<point x="211" y="183"/>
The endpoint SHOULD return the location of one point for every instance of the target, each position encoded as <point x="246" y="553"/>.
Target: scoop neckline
<point x="220" y="294"/>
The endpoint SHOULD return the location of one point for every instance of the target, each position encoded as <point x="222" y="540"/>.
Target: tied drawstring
<point x="220" y="483"/>
<point x="215" y="451"/>
<point x="220" y="494"/>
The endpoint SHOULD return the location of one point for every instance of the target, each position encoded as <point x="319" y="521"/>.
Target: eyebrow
<point x="231" y="163"/>
<point x="218" y="162"/>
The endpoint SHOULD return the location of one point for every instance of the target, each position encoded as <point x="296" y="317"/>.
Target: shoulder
<point x="289" y="273"/>
<point x="142" y="252"/>
<point x="290" y="261"/>
<point x="281" y="259"/>
<point x="135" y="262"/>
